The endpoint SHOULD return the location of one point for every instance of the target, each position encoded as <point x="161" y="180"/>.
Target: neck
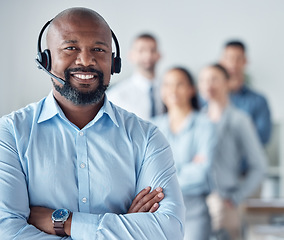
<point x="177" y="117"/>
<point x="216" y="108"/>
<point x="149" y="74"/>
<point x="236" y="82"/>
<point x="78" y="114"/>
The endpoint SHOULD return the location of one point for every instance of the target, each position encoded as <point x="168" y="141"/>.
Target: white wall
<point x="191" y="33"/>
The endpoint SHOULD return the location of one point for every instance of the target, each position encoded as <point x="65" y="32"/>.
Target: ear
<point x="131" y="56"/>
<point x="158" y="56"/>
<point x="245" y="60"/>
<point x="221" y="60"/>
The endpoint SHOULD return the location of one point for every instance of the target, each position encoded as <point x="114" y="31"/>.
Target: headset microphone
<point x="40" y="66"/>
<point x="43" y="59"/>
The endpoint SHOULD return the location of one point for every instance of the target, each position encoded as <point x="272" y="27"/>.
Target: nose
<point x="174" y="89"/>
<point x="85" y="58"/>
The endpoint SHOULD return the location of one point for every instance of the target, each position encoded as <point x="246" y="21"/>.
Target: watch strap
<point x="59" y="228"/>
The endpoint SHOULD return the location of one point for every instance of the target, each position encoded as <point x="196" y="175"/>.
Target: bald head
<point x="79" y="12"/>
<point x="79" y="17"/>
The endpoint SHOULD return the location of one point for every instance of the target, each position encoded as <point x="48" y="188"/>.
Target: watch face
<point x="60" y="215"/>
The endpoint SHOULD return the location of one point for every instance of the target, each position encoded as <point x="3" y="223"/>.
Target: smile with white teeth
<point x="83" y="76"/>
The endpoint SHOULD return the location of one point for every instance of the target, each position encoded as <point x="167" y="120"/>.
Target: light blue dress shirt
<point x="96" y="172"/>
<point x="257" y="108"/>
<point x="195" y="138"/>
<point x="237" y="138"/>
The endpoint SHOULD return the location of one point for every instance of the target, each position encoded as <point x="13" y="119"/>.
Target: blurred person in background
<point x="190" y="135"/>
<point x="242" y="96"/>
<point x="236" y="137"/>
<point x="140" y="93"/>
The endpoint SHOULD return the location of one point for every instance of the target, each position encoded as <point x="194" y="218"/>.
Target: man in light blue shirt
<point x="248" y="100"/>
<point x="244" y="98"/>
<point x="76" y="151"/>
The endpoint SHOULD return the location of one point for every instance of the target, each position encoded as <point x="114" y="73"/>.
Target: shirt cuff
<point x="84" y="225"/>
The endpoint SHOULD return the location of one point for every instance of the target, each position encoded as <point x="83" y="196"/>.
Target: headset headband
<point x="46" y="62"/>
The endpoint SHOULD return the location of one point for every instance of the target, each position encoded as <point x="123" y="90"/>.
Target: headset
<point x="43" y="59"/>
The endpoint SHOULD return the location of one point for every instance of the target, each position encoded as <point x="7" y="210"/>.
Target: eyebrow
<point x="75" y="41"/>
<point x="70" y="41"/>
<point x="102" y="43"/>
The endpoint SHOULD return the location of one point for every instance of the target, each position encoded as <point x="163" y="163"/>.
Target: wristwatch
<point x="59" y="217"/>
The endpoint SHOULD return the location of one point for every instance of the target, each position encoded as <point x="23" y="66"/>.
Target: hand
<point x="146" y="201"/>
<point x="228" y="203"/>
<point x="199" y="159"/>
<point x="40" y="217"/>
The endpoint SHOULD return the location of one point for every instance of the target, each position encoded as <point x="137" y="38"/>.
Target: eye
<point x="98" y="50"/>
<point x="70" y="48"/>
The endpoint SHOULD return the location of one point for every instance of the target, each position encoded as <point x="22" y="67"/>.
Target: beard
<point x="148" y="67"/>
<point x="78" y="97"/>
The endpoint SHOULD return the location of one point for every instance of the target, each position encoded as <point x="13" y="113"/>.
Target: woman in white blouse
<point x="190" y="135"/>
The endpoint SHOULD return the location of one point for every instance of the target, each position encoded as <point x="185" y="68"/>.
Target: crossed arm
<point x="145" y="201"/>
<point x="144" y="222"/>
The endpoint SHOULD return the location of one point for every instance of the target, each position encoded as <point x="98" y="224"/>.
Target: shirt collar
<point x="242" y="90"/>
<point x="190" y="119"/>
<point x="142" y="81"/>
<point x="51" y="108"/>
<point x="108" y="109"/>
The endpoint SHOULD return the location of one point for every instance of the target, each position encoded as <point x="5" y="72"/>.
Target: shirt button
<point x="84" y="200"/>
<point x="81" y="133"/>
<point x="82" y="165"/>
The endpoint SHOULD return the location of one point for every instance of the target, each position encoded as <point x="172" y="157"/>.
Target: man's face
<point x="144" y="54"/>
<point x="234" y="60"/>
<point x="81" y="54"/>
<point x="212" y="84"/>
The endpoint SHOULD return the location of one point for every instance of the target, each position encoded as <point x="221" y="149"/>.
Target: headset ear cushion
<point x="117" y="64"/>
<point x="44" y="59"/>
<point x="47" y="59"/>
<point x="112" y="63"/>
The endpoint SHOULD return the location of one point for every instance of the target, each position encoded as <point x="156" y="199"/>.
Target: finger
<point x="146" y="202"/>
<point x="139" y="196"/>
<point x="154" y="208"/>
<point x="141" y="205"/>
<point x="146" y="207"/>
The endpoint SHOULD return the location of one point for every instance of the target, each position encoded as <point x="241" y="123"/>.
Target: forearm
<point x="248" y="186"/>
<point x="255" y="156"/>
<point x="192" y="178"/>
<point x="15" y="228"/>
<point x="129" y="226"/>
<point x="254" y="177"/>
<point x="165" y="223"/>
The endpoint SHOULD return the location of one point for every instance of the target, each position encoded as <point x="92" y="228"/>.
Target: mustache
<point x="84" y="69"/>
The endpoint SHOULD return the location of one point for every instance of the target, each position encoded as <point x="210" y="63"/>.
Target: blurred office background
<point x="190" y="33"/>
